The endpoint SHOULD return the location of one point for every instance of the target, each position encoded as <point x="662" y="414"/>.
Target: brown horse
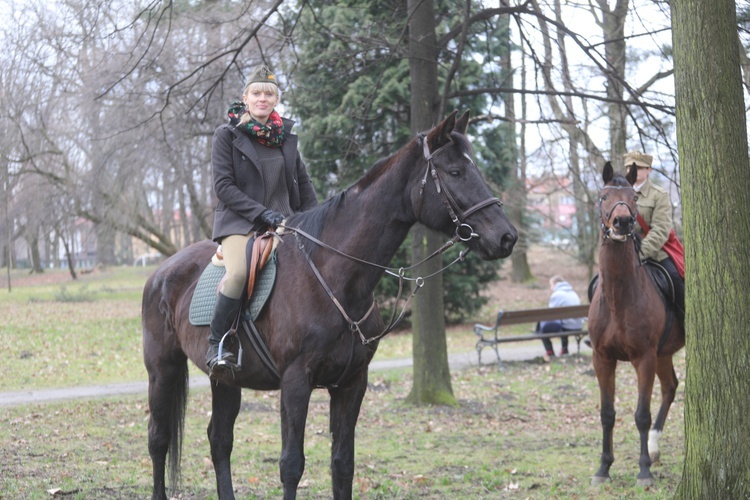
<point x="628" y="321"/>
<point x="312" y="338"/>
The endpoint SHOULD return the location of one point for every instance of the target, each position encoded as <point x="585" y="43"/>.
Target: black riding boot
<point x="225" y="312"/>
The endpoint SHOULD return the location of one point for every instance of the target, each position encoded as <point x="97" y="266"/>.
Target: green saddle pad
<point x="204" y="298"/>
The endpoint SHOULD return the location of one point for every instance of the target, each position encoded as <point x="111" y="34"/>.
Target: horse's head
<point x="617" y="204"/>
<point x="448" y="193"/>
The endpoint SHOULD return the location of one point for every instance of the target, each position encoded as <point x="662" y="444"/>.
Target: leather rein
<point x="464" y="232"/>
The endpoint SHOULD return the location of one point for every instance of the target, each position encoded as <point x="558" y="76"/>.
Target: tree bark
<point x="432" y="382"/>
<point x="713" y="147"/>
<point x="521" y="272"/>
<point x="613" y="28"/>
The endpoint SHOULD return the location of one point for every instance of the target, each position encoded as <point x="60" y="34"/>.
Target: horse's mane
<point x="311" y="221"/>
<point x="619" y="180"/>
<point x="382" y="165"/>
<point x="462" y="142"/>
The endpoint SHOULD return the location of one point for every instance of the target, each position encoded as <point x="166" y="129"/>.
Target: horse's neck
<point x="370" y="225"/>
<point x="619" y="272"/>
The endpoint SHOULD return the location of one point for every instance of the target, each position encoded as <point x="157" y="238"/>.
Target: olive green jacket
<point x="655" y="207"/>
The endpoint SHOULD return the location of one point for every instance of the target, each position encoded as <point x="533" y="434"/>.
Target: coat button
<point x="244" y="158"/>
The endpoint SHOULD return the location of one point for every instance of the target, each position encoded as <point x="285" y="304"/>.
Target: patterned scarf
<point x="270" y="135"/>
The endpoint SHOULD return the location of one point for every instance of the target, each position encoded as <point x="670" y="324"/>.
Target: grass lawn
<point x="529" y="431"/>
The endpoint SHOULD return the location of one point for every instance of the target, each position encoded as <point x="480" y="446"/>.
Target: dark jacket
<point x="239" y="185"/>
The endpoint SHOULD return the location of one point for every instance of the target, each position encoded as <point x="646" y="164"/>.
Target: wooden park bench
<point x="505" y="318"/>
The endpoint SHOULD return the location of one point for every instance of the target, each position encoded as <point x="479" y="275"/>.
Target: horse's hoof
<point x="646" y="482"/>
<point x="599" y="480"/>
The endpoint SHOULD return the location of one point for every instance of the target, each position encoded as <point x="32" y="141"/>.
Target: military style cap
<point x="261" y="74"/>
<point x="640" y="159"/>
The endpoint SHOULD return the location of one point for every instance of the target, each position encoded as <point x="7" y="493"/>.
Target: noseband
<point x="607" y="230"/>
<point x="464" y="231"/>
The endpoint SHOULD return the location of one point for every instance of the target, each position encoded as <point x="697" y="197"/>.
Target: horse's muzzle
<point x="622" y="227"/>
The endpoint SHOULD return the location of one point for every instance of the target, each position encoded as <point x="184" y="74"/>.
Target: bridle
<point x="464" y="231"/>
<point x="607" y="230"/>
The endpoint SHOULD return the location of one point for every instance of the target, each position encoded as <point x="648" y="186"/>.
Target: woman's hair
<point x="261" y="87"/>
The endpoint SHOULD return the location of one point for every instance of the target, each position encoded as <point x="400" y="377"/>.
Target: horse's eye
<point x="604" y="197"/>
<point x="455" y="172"/>
<point x="635" y="198"/>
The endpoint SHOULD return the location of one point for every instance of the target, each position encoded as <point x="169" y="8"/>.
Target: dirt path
<point x="457" y="361"/>
<point x="543" y="261"/>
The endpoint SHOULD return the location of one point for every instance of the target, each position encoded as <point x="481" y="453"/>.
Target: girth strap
<point x="256" y="340"/>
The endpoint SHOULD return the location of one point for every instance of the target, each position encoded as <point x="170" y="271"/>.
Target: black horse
<point x="312" y="341"/>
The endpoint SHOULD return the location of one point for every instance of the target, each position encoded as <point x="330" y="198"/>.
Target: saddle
<point x="658" y="275"/>
<point x="258" y="250"/>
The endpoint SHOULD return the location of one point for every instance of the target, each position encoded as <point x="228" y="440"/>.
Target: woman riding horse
<point x="328" y="334"/>
<point x="259" y="179"/>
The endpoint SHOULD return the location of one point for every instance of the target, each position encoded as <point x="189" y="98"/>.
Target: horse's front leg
<point x="345" y="405"/>
<point x="646" y="370"/>
<point x="668" y="382"/>
<point x="295" y="399"/>
<point x="605" y="375"/>
<point x="225" y="405"/>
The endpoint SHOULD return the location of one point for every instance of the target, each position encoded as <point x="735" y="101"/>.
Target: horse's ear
<point x="632" y="174"/>
<point x="608" y="173"/>
<point x="462" y="123"/>
<point x="441" y="134"/>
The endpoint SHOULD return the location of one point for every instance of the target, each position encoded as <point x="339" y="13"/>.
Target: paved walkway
<point x="457" y="361"/>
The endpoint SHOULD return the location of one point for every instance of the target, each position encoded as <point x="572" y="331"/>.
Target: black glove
<point x="270" y="218"/>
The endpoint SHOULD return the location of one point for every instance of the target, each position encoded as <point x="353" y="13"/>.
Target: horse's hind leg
<point x="605" y="375"/>
<point x="646" y="369"/>
<point x="225" y="406"/>
<point x="345" y="405"/>
<point x="668" y="382"/>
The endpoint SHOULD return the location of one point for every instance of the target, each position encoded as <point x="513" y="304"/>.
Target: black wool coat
<point x="239" y="185"/>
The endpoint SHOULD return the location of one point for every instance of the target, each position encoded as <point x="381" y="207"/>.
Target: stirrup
<point x="221" y="365"/>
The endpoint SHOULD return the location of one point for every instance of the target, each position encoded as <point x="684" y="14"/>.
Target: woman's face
<point x="259" y="102"/>
<point x="642" y="175"/>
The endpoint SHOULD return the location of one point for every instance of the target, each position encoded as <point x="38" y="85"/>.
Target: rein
<point x="464" y="232"/>
<point x="399" y="273"/>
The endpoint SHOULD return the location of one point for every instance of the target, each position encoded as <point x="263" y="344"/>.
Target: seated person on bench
<point x="562" y="295"/>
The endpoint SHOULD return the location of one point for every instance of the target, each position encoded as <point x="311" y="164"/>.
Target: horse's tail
<point x="177" y="404"/>
<point x="167" y="368"/>
<point x="175" y="395"/>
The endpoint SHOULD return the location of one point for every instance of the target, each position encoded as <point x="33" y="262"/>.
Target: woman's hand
<point x="270" y="218"/>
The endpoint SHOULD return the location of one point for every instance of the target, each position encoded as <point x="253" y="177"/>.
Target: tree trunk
<point x="36" y="258"/>
<point x="713" y="147"/>
<point x="521" y="272"/>
<point x="613" y="27"/>
<point x="69" y="257"/>
<point x="432" y="382"/>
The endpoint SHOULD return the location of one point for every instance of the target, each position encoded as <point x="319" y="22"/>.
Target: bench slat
<point x="519" y="317"/>
<point x="542" y="314"/>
